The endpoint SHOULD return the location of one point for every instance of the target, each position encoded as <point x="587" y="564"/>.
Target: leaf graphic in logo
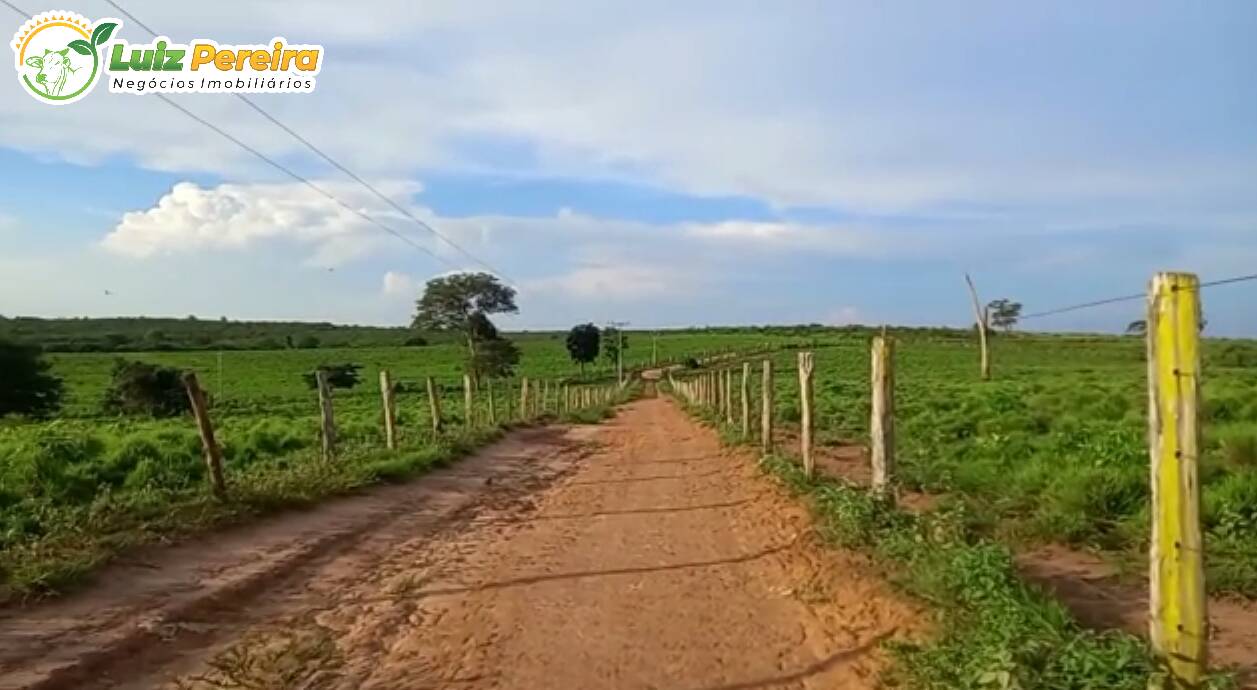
<point x="81" y="47"/>
<point x="103" y="32"/>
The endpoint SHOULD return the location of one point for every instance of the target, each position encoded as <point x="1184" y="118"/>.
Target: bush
<point x="139" y="388"/>
<point x="338" y="375"/>
<point x="1239" y="448"/>
<point x="27" y="387"/>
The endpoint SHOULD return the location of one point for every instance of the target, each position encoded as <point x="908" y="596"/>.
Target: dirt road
<point x="635" y="554"/>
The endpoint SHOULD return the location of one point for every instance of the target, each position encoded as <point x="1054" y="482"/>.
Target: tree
<point x="338" y="375"/>
<point x="1139" y="327"/>
<point x="612" y="341"/>
<point x="462" y="302"/>
<point x="495" y="357"/>
<point x="307" y="342"/>
<point x="140" y="388"/>
<point x="1004" y="313"/>
<point x="582" y="344"/>
<point x="27" y="387"/>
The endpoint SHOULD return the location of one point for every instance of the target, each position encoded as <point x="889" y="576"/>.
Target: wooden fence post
<point x="469" y="412"/>
<point x="493" y="412"/>
<point x="746" y="400"/>
<point x="213" y="454"/>
<point x="806" y="366"/>
<point x="523" y="397"/>
<point x="729" y="396"/>
<point x="390" y="411"/>
<point x="434" y="404"/>
<point x="1177" y="610"/>
<point x="882" y="423"/>
<point x="327" y="417"/>
<point x="980" y="314"/>
<point x="766" y="409"/>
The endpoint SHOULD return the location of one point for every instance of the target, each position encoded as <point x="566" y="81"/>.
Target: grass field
<point x="1054" y="448"/>
<point x="76" y="489"/>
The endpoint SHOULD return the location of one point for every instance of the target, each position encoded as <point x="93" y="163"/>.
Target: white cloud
<point x="845" y="315"/>
<point x="397" y="284"/>
<point x="617" y="283"/>
<point x="192" y="219"/>
<point x="864" y="107"/>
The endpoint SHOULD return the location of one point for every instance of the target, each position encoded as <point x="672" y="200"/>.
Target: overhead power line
<point x="337" y="164"/>
<point x="1131" y="298"/>
<point x="298" y="177"/>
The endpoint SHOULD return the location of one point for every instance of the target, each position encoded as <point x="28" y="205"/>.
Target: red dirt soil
<point x="635" y="554"/>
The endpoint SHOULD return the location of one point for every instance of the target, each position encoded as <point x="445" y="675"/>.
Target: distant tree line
<point x="154" y="335"/>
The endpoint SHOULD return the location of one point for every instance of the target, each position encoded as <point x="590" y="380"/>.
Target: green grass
<point x="76" y="490"/>
<point x="992" y="629"/>
<point x="1054" y="448"/>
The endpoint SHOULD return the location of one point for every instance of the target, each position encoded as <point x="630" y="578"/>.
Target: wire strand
<point x="302" y="179"/>
<point x="338" y="165"/>
<point x="1129" y="298"/>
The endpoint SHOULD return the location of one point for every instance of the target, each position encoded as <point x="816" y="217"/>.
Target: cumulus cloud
<point x="398" y="284"/>
<point x="191" y="219"/>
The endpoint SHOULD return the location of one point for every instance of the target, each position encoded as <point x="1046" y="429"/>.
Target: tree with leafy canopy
<point x="583" y="343"/>
<point x="1004" y="313"/>
<point x="462" y="302"/>
<point x="1138" y="327"/>
<point x="27" y="387"/>
<point x="494" y="355"/>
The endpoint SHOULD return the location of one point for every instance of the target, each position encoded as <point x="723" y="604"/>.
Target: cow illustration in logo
<point x="54" y="70"/>
<point x="58" y="55"/>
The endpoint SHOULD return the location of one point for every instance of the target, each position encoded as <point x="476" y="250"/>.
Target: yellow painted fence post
<point x="1177" y="613"/>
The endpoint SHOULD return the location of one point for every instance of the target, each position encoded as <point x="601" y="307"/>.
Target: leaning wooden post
<point x="523" y="397"/>
<point x="806" y="365"/>
<point x="390" y="410"/>
<point x="746" y="400"/>
<point x="213" y="454"/>
<point x="1177" y="612"/>
<point x="434" y="404"/>
<point x="981" y="315"/>
<point x="469" y="412"/>
<point x="766" y="409"/>
<point x="328" y="419"/>
<point x="882" y="423"/>
<point x="493" y="412"/>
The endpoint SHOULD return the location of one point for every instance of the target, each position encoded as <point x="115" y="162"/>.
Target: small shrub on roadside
<point x="139" y="388"/>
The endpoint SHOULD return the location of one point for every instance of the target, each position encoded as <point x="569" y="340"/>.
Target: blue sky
<point x="663" y="163"/>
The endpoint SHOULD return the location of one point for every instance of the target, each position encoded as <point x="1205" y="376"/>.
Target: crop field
<point x="1054" y="448"/>
<point x="76" y="489"/>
